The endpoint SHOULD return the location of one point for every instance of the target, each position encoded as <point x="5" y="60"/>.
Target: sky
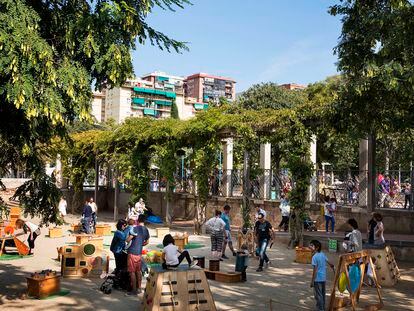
<point x="251" y="41"/>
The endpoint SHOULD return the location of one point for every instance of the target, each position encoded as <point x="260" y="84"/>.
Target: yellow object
<point x="342" y="282"/>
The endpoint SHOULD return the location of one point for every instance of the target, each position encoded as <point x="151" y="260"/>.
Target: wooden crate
<point x="181" y="241"/>
<point x="103" y="229"/>
<point x="303" y="255"/>
<point x="43" y="286"/>
<point x="55" y="232"/>
<point x="76" y="227"/>
<point x="83" y="238"/>
<point x="225" y="277"/>
<point x="161" y="232"/>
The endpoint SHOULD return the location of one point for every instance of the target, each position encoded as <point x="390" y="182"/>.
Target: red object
<point x="144" y="252"/>
<point x="9" y="230"/>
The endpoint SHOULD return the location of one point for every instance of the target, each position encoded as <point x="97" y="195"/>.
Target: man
<point x="384" y="190"/>
<point x="227" y="238"/>
<point x="94" y="210"/>
<point x="87" y="217"/>
<point x="263" y="233"/>
<point x="259" y="210"/>
<point x="134" y="257"/>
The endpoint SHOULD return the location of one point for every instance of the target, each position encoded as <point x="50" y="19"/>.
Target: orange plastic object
<point x="22" y="248"/>
<point x="9" y="230"/>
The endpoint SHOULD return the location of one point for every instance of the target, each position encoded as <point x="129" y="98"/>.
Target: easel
<point x="363" y="258"/>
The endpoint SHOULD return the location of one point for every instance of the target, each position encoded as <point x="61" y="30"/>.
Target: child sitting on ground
<point x="169" y="255"/>
<point x="319" y="261"/>
<point x="130" y="231"/>
<point x="244" y="261"/>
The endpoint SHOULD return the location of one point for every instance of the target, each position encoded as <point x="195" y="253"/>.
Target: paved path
<point x="285" y="282"/>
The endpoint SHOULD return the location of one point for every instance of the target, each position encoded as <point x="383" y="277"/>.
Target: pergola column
<point x="265" y="165"/>
<point x="228" y="144"/>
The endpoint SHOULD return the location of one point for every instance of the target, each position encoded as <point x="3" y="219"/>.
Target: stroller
<point x="119" y="280"/>
<point x="309" y="224"/>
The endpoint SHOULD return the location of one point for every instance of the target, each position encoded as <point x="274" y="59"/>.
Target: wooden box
<point x="76" y="227"/>
<point x="55" y="232"/>
<point x="161" y="232"/>
<point x="225" y="277"/>
<point x="103" y="229"/>
<point x="41" y="287"/>
<point x="181" y="241"/>
<point x="84" y="238"/>
<point x="303" y="255"/>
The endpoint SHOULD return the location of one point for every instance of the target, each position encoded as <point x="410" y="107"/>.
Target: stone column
<point x="58" y="171"/>
<point x="372" y="180"/>
<point x="363" y="173"/>
<point x="313" y="186"/>
<point x="265" y="165"/>
<point x="227" y="166"/>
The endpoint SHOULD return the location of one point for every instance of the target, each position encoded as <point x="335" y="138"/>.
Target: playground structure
<point x="181" y="240"/>
<point x="43" y="284"/>
<point x="86" y="259"/>
<point x="214" y="273"/>
<point x="349" y="276"/>
<point x="181" y="290"/>
<point x="386" y="267"/>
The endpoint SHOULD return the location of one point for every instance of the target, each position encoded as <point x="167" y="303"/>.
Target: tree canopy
<point x="51" y="52"/>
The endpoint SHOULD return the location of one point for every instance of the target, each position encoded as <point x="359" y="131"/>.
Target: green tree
<point x="376" y="57"/>
<point x="50" y="54"/>
<point x="270" y="95"/>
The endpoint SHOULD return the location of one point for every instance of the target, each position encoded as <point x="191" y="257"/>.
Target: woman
<point x="28" y="227"/>
<point x="285" y="211"/>
<point x="354" y="239"/>
<point x="379" y="230"/>
<point x="329" y="209"/>
<point x="140" y="207"/>
<point x="131" y="214"/>
<point x="216" y="227"/>
<point x="118" y="244"/>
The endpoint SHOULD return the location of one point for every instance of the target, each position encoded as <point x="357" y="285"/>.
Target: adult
<point x="379" y="230"/>
<point x="354" y="242"/>
<point x="285" y="212"/>
<point x="140" y="207"/>
<point x="62" y="206"/>
<point x="349" y="188"/>
<point x="227" y="237"/>
<point x="259" y="210"/>
<point x="87" y="217"/>
<point x="94" y="208"/>
<point x="329" y="209"/>
<point x="407" y="195"/>
<point x="371" y="229"/>
<point x="384" y="190"/>
<point x="118" y="244"/>
<point x="216" y="226"/>
<point x="131" y="213"/>
<point x="28" y="227"/>
<point x="134" y="257"/>
<point x="263" y="233"/>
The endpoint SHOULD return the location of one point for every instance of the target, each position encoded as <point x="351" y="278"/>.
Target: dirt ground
<point x="285" y="282"/>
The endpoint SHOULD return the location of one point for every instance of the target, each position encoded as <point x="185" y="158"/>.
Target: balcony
<point x="200" y="106"/>
<point x="149" y="112"/>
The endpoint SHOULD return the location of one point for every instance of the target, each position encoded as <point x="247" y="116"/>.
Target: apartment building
<point x="154" y="93"/>
<point x="293" y="86"/>
<point x="203" y="88"/>
<point x="98" y="106"/>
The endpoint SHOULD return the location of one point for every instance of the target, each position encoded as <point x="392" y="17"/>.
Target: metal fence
<point x="348" y="187"/>
<point x="394" y="189"/>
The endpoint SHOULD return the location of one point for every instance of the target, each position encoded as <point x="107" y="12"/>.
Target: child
<point x="130" y="231"/>
<point x="169" y="255"/>
<point x="28" y="227"/>
<point x="318" y="282"/>
<point x="242" y="265"/>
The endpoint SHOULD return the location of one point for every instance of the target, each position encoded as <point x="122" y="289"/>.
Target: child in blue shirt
<point x="319" y="261"/>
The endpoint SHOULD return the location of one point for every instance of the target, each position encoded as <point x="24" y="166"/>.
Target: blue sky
<point x="251" y="41"/>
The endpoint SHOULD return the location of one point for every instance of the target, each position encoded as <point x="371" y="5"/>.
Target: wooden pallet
<point x="225" y="277"/>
